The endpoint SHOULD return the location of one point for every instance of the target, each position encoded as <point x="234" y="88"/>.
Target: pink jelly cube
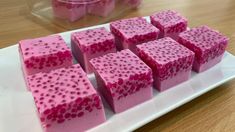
<point x="171" y="62"/>
<point x="66" y="100"/>
<point x="130" y="32"/>
<point x="71" y="10"/>
<point x="207" y="44"/>
<point x="91" y="43"/>
<point x="123" y="79"/>
<point x="101" y="7"/>
<point x="170" y="23"/>
<point x="44" y="54"/>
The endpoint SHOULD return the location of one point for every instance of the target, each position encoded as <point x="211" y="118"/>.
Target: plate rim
<point x="158" y="114"/>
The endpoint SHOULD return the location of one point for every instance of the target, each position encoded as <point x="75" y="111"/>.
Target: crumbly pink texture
<point x="171" y="62"/>
<point x="44" y="54"/>
<point x="101" y="7"/>
<point x="70" y="10"/>
<point x="123" y="79"/>
<point x="170" y="23"/>
<point x="66" y="101"/>
<point x="91" y="43"/>
<point x="130" y="32"/>
<point x="207" y="44"/>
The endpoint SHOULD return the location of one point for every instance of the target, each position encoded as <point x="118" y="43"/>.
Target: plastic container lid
<point x="79" y="1"/>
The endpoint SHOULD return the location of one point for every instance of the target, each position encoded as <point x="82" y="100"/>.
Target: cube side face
<point x="101" y="8"/>
<point x="207" y="44"/>
<point x="133" y="31"/>
<point x="170" y="23"/>
<point x="64" y="97"/>
<point x="90" y="44"/>
<point x="171" y="62"/>
<point x="71" y="11"/>
<point x="78" y="54"/>
<point x="123" y="78"/>
<point x="103" y="89"/>
<point x="44" y="54"/>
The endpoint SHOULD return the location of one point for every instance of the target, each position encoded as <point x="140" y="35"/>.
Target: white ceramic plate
<point x="18" y="112"/>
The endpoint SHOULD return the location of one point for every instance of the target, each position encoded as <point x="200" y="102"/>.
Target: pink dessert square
<point x="101" y="7"/>
<point x="44" y="54"/>
<point x="130" y="32"/>
<point x="66" y="9"/>
<point x="66" y="100"/>
<point x="171" y="62"/>
<point x="207" y="44"/>
<point x="170" y="23"/>
<point x="123" y="79"/>
<point x="91" y="43"/>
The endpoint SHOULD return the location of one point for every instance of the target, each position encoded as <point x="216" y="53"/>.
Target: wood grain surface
<point x="213" y="111"/>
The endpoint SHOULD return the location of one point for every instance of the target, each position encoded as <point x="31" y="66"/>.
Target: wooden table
<point x="213" y="111"/>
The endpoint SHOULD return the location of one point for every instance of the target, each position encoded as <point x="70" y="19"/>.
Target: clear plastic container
<point x="72" y="14"/>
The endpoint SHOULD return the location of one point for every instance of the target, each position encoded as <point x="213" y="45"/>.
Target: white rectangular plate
<point x="18" y="112"/>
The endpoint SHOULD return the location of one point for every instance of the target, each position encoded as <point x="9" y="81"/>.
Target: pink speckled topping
<point x="205" y="42"/>
<point x="168" y="18"/>
<point x="203" y="37"/>
<point x="63" y="94"/>
<point x="134" y="29"/>
<point x="169" y="21"/>
<point x="165" y="56"/>
<point x="44" y="54"/>
<point x="122" y="77"/>
<point x="116" y="67"/>
<point x="94" y="39"/>
<point x="43" y="46"/>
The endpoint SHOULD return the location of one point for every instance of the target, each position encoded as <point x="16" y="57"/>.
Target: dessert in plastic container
<point x="101" y="7"/>
<point x="72" y="14"/>
<point x="71" y="11"/>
